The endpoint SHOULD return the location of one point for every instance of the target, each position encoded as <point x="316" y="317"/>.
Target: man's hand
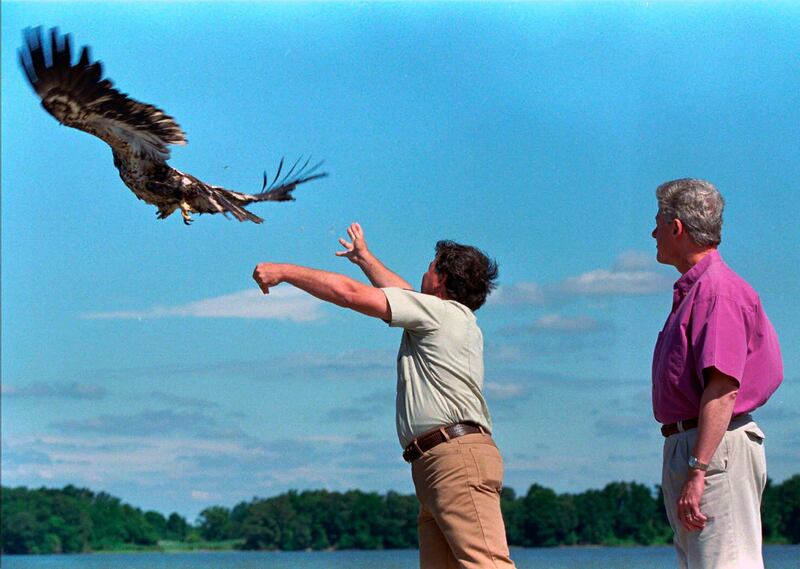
<point x="267" y="275"/>
<point x="356" y="249"/>
<point x="689" y="501"/>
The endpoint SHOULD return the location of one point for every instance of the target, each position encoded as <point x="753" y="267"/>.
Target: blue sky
<point x="138" y="356"/>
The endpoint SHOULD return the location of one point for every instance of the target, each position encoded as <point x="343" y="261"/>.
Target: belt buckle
<point x="409" y="449"/>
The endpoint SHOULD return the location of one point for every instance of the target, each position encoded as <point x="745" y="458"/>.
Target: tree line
<point x="73" y="520"/>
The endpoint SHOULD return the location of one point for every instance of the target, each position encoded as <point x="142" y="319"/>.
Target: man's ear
<point x="442" y="283"/>
<point x="677" y="227"/>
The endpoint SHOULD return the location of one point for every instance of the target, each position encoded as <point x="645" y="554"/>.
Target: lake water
<point x="776" y="557"/>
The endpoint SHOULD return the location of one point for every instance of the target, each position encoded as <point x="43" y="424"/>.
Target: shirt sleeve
<point x="719" y="337"/>
<point x="414" y="311"/>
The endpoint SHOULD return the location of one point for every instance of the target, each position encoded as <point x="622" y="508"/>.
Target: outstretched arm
<point x="358" y="253"/>
<point x="330" y="287"/>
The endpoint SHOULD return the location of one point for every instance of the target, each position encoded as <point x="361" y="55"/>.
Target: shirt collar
<point x="687" y="280"/>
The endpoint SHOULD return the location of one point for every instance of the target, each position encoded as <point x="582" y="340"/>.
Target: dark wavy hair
<point x="470" y="274"/>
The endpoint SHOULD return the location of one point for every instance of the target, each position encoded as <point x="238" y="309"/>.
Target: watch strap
<point x="696" y="464"/>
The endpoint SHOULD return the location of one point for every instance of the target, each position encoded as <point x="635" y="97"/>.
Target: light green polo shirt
<point x="439" y="365"/>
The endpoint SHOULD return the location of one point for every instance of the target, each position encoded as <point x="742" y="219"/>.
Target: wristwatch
<point x="696" y="464"/>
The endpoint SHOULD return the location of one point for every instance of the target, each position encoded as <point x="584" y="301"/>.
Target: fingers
<point x="356" y="245"/>
<point x="260" y="280"/>
<point x="698" y="517"/>
<point x="355" y="231"/>
<point x="690" y="515"/>
<point x="348" y="248"/>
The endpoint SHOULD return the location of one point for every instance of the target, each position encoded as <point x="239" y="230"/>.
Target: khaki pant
<point x="458" y="486"/>
<point x="734" y="483"/>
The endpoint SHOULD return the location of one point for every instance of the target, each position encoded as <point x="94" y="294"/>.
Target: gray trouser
<point x="735" y="481"/>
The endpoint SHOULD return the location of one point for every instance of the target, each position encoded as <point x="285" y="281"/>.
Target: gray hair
<point x="698" y="204"/>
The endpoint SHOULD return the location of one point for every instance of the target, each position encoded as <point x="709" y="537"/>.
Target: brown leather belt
<point x="426" y="442"/>
<point x="674" y="428"/>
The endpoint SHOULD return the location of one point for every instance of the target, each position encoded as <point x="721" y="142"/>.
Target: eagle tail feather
<point x="221" y="196"/>
<point x="281" y="191"/>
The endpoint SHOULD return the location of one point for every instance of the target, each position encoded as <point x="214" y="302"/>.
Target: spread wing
<point x="78" y="96"/>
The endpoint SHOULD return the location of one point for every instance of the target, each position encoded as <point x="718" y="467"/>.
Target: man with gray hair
<point x="716" y="361"/>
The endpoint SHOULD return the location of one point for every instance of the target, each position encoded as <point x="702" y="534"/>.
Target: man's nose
<point x="653" y="234"/>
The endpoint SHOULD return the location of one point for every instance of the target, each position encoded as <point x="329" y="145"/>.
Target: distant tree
<point x="789" y="499"/>
<point x="214" y="523"/>
<point x="365" y="521"/>
<point x="771" y="514"/>
<point x="21" y="533"/>
<point x="400" y="521"/>
<point x="635" y="512"/>
<point x="72" y="520"/>
<point x="548" y="520"/>
<point x="595" y="518"/>
<point x="661" y="516"/>
<point x="177" y="527"/>
<point x="236" y="519"/>
<point x="158" y="522"/>
<point x="513" y="516"/>
<point x="274" y="524"/>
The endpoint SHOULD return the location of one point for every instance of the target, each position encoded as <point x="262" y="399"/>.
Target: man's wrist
<point x="694" y="474"/>
<point x="284" y="272"/>
<point x="364" y="259"/>
<point x="697" y="466"/>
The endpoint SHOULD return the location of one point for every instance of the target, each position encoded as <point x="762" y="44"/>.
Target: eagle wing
<point x="78" y="96"/>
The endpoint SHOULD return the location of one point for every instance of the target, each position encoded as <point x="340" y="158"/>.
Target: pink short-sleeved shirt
<point x="716" y="321"/>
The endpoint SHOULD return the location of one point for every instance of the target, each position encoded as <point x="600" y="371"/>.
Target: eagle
<point x="139" y="134"/>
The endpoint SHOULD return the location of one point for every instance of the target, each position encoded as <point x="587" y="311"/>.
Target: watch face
<point x="695" y="463"/>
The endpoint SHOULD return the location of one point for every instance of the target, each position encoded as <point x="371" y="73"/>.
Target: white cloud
<point x="71" y="390"/>
<point x="503" y="391"/>
<point x="152" y="423"/>
<point x="524" y="293"/>
<point x="108" y="459"/>
<point x="602" y="282"/>
<point x="558" y="323"/>
<point x="203" y="496"/>
<point x="356" y="363"/>
<point x="632" y="273"/>
<point x="283" y="303"/>
<point x="633" y="261"/>
<point x="194" y="471"/>
<point x="504" y="353"/>
<point x="182" y="401"/>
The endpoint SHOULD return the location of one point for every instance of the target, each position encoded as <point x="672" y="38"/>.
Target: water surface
<point x="776" y="557"/>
